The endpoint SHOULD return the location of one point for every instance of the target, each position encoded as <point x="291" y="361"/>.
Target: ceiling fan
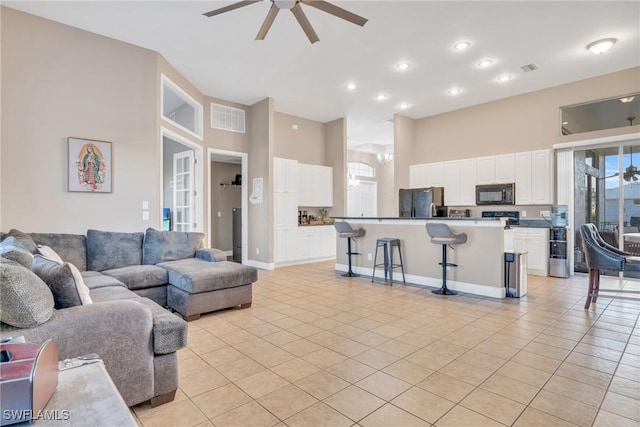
<point x="296" y="9"/>
<point x="631" y="172"/>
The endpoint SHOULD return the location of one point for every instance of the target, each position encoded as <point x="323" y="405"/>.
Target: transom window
<point x="360" y="169"/>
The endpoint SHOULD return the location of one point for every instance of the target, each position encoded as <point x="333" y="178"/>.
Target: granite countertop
<point x="315" y="225"/>
<point x="435" y="218"/>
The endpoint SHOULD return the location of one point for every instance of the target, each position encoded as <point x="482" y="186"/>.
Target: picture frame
<point x="90" y="165"/>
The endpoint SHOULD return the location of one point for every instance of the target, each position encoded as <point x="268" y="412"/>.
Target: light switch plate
<point x="145" y="205"/>
<point x="145" y="215"/>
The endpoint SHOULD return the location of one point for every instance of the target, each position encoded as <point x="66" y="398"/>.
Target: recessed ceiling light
<point x="599" y="47"/>
<point x="403" y="66"/>
<point x="504" y="78"/>
<point x="381" y="97"/>
<point x="461" y="45"/>
<point x="627" y="100"/>
<point x="485" y="63"/>
<point x="454" y="91"/>
<point x="351" y="86"/>
<point x="403" y="106"/>
<point x="565" y="123"/>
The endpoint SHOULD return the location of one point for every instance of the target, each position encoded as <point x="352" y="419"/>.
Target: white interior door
<point x="362" y="200"/>
<point x="184" y="199"/>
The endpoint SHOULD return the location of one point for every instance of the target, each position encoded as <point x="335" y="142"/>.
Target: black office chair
<point x="600" y="255"/>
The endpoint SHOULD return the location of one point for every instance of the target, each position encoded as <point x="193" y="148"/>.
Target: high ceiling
<point x="221" y="58"/>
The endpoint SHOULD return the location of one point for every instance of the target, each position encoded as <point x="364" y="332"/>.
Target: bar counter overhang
<point x="480" y="260"/>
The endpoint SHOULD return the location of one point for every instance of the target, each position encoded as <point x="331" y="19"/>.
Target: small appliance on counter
<point x="459" y="213"/>
<point x="496" y="194"/>
<point x="421" y="202"/>
<point x="513" y="216"/>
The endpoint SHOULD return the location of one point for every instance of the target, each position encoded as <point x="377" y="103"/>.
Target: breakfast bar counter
<point x="480" y="262"/>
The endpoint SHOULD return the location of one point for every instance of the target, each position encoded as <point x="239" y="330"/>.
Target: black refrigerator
<point x="237" y="234"/>
<point x="417" y="202"/>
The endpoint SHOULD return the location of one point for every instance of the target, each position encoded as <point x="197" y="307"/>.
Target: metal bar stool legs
<point x="443" y="289"/>
<point x="387" y="250"/>
<point x="350" y="273"/>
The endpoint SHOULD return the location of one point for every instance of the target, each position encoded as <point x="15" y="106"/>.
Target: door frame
<point x="244" y="191"/>
<point x="197" y="148"/>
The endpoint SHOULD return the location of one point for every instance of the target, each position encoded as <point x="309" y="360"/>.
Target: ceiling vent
<point x="529" y="67"/>
<point x="227" y="118"/>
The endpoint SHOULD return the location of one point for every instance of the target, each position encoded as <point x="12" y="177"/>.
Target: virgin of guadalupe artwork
<point x="89" y="166"/>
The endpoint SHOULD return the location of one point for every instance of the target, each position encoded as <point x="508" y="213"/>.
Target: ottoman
<point x="197" y="286"/>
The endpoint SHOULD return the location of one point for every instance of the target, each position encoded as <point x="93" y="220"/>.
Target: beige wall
<point x="306" y="144"/>
<point x="336" y="157"/>
<point x="59" y="81"/>
<point x="223" y="200"/>
<point x="520" y="123"/>
<point x="404" y="136"/>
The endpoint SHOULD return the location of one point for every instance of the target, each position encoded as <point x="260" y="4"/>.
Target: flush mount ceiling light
<point x="485" y="63"/>
<point x="403" y="66"/>
<point x="503" y="78"/>
<point x="627" y="100"/>
<point x="599" y="47"/>
<point x="454" y="91"/>
<point x="381" y="97"/>
<point x="351" y="86"/>
<point x="461" y="45"/>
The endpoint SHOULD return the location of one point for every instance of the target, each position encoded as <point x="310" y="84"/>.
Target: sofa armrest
<point x="211" y="255"/>
<point x="120" y="332"/>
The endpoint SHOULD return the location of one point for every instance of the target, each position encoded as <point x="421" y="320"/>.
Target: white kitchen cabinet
<point x="285" y="209"/>
<point x="286" y="244"/>
<point x="316" y="186"/>
<point x="418" y="176"/>
<point x="452" y="183"/>
<point x="534" y="241"/>
<point x="435" y="174"/>
<point x="468" y="172"/>
<point x="285" y="175"/>
<point x="534" y="177"/>
<point x="505" y="168"/>
<point x="486" y="170"/>
<point x="316" y="242"/>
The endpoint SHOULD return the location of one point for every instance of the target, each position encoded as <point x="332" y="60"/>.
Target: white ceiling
<point x="220" y="56"/>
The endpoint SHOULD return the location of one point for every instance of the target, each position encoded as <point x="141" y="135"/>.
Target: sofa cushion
<point x="99" y="280"/>
<point x="160" y="246"/>
<point x="25" y="300"/>
<point x="139" y="276"/>
<point x="64" y="280"/>
<point x="23" y="239"/>
<point x="169" y="331"/>
<point x="49" y="253"/>
<point x="112" y="293"/>
<point x="196" y="275"/>
<point x="107" y="250"/>
<point x="14" y="251"/>
<point x="70" y="247"/>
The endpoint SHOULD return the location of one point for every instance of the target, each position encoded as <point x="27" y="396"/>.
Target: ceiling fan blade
<point x="336" y="11"/>
<point x="304" y="23"/>
<point x="232" y="6"/>
<point x="268" y="21"/>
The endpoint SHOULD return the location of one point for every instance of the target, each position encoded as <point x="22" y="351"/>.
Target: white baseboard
<point x="261" y="265"/>
<point x="432" y="282"/>
<point x="304" y="261"/>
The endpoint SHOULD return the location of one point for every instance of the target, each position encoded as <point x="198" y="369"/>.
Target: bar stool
<point x="441" y="234"/>
<point x="387" y="244"/>
<point x="345" y="231"/>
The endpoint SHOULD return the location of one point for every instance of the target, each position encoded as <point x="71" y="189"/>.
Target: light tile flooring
<point x="317" y="349"/>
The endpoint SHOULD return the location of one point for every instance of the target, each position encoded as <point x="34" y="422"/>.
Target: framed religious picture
<point x="90" y="165"/>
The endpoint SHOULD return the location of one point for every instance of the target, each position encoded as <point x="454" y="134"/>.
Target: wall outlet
<point x="257" y="251"/>
<point x="219" y="214"/>
<point x="369" y="257"/>
<point x="545" y="214"/>
<point x="523" y="214"/>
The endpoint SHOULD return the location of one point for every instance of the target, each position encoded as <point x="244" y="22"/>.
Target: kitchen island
<point x="480" y="262"/>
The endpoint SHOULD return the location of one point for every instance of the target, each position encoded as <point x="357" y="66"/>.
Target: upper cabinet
<point x="285" y="175"/>
<point x="486" y="170"/>
<point x="435" y="174"/>
<point x="316" y="186"/>
<point x="534" y="178"/>
<point x="418" y="176"/>
<point x="505" y="168"/>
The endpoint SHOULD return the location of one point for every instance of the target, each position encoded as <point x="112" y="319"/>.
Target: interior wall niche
<point x="610" y="113"/>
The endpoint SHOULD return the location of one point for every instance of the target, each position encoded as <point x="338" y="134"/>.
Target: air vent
<point x="227" y="118"/>
<point x="529" y="67"/>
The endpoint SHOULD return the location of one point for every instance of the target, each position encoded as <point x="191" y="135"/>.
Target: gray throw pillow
<point x="11" y="249"/>
<point x="64" y="280"/>
<point x="107" y="250"/>
<point x="23" y="239"/>
<point x="160" y="246"/>
<point x="25" y="300"/>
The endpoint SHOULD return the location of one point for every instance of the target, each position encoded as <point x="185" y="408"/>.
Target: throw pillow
<point x="64" y="280"/>
<point x="160" y="246"/>
<point x="49" y="253"/>
<point x="25" y="300"/>
<point x="107" y="250"/>
<point x="24" y="239"/>
<point x="11" y="249"/>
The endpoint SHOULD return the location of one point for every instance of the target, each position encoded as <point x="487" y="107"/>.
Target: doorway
<point x="181" y="177"/>
<point x="228" y="195"/>
<point x="362" y="199"/>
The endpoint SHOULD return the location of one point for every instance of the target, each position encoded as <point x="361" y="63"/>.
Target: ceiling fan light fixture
<point x="284" y="4"/>
<point x="599" y="47"/>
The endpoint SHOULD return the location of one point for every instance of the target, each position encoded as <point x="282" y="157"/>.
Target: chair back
<point x="598" y="254"/>
<point x="343" y="227"/>
<point x="438" y="229"/>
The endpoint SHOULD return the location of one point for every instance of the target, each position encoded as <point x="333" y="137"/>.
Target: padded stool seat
<point x="441" y="234"/>
<point x="345" y="231"/>
<point x="387" y="244"/>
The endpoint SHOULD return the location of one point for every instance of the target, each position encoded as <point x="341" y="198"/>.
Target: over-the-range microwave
<point x="496" y="194"/>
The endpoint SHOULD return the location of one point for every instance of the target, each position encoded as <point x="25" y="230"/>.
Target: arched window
<point x="360" y="169"/>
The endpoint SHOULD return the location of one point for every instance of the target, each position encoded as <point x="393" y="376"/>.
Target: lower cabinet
<point x="286" y="244"/>
<point x="534" y="241"/>
<point x="316" y="242"/>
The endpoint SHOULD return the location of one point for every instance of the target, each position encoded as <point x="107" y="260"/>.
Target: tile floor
<point x="317" y="349"/>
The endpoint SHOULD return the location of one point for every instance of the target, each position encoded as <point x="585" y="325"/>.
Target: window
<point x="360" y="169"/>
<point x="180" y="109"/>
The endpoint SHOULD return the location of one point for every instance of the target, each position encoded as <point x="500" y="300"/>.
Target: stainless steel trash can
<point x="515" y="274"/>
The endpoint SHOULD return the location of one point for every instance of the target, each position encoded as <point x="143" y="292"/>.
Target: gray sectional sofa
<point x="130" y="277"/>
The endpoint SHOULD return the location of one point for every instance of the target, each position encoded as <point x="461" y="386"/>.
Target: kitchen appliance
<point x="237" y="234"/>
<point x="558" y="260"/>
<point x="420" y="202"/>
<point x="513" y="217"/>
<point x="496" y="194"/>
<point x="459" y="213"/>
